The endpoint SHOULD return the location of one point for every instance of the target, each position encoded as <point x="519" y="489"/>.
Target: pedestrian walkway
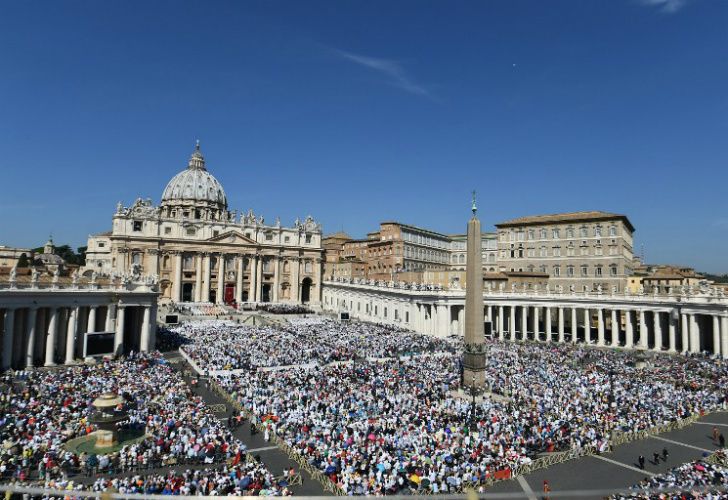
<point x="275" y="459"/>
<point x="619" y="469"/>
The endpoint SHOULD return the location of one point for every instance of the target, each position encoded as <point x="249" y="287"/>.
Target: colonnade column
<point x="512" y="324"/>
<point x="8" y="334"/>
<point x="534" y="320"/>
<point x="198" y="278"/>
<point x="71" y="336"/>
<point x="253" y="261"/>
<point x="91" y="324"/>
<point x="52" y="337"/>
<point x="643" y="330"/>
<point x="694" y="334"/>
<point x="206" y="272"/>
<point x="658" y="330"/>
<point x="239" y="287"/>
<point x="574" y="326"/>
<point x="587" y="326"/>
<point x="30" y="347"/>
<point x="547" y="311"/>
<point x="629" y="330"/>
<point x="724" y="337"/>
<point x="600" y="326"/>
<point x="110" y="313"/>
<point x="716" y="335"/>
<point x="501" y="334"/>
<point x="144" y="334"/>
<point x="685" y="333"/>
<point x="220" y="296"/>
<point x="672" y="332"/>
<point x="524" y="322"/>
<point x="295" y="277"/>
<point x="119" y="333"/>
<point x="177" y="285"/>
<point x="615" y="328"/>
<point x="561" y="325"/>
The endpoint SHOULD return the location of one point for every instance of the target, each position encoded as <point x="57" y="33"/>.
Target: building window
<point x="543" y="252"/>
<point x="308" y="238"/>
<point x="102" y="244"/>
<point x="268" y="236"/>
<point x="197" y="214"/>
<point x="612" y="270"/>
<point x="186" y="214"/>
<point x="598" y="250"/>
<point x="215" y="232"/>
<point x="137" y="225"/>
<point x="570" y="232"/>
<point x="167" y="230"/>
<point x="556" y="234"/>
<point x="520" y="235"/>
<point x="557" y="271"/>
<point x="584" y="250"/>
<point x="570" y="250"/>
<point x="585" y="270"/>
<point x="287" y="239"/>
<point x="531" y="252"/>
<point x="584" y="232"/>
<point x="308" y="267"/>
<point x="136" y="258"/>
<point x="531" y="234"/>
<point x="598" y="231"/>
<point x="557" y="251"/>
<point x="191" y="231"/>
<point x="598" y="271"/>
<point x="543" y="234"/>
<point x="187" y="262"/>
<point x="530" y="268"/>
<point x="542" y="269"/>
<point x="612" y="231"/>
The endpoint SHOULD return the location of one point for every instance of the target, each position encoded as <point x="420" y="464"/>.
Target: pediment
<point x="232" y="237"/>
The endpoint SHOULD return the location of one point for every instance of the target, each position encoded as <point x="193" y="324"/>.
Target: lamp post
<point x="473" y="392"/>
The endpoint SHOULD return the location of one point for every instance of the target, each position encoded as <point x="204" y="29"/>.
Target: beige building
<point x="9" y="256"/>
<point x="202" y="252"/>
<point x="584" y="250"/>
<point x="647" y="278"/>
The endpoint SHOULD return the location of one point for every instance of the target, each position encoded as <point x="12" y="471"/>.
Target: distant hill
<point x="718" y="278"/>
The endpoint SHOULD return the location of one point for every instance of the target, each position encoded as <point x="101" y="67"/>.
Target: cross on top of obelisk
<point x="474" y="207"/>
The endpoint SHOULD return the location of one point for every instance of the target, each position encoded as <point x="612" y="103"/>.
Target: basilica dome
<point x="195" y="185"/>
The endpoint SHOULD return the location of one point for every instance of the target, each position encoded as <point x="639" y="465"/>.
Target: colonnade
<point x="46" y="327"/>
<point x="695" y="323"/>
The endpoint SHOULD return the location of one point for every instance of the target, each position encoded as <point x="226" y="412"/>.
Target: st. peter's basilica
<point x="202" y="252"/>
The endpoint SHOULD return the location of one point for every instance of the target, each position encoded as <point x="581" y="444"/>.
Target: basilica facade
<point x="202" y="252"/>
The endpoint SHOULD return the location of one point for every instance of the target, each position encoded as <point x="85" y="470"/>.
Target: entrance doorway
<point x="229" y="294"/>
<point x="266" y="292"/>
<point x="306" y="290"/>
<point x="187" y="292"/>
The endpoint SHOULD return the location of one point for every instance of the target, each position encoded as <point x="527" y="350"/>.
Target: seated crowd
<point x="694" y="480"/>
<point x="249" y="347"/>
<point x="42" y="410"/>
<point x="394" y="425"/>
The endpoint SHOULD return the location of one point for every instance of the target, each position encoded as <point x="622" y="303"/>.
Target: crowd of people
<point x="284" y="308"/>
<point x="40" y="411"/>
<point x="396" y="424"/>
<point x="224" y="345"/>
<point x="693" y="480"/>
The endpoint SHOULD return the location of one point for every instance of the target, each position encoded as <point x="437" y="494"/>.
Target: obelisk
<point x="474" y="355"/>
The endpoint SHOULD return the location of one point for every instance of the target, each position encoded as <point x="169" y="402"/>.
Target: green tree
<point x="23" y="260"/>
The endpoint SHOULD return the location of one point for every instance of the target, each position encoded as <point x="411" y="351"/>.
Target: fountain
<point x="106" y="417"/>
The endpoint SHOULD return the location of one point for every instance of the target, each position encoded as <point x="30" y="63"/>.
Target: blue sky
<point x="362" y="111"/>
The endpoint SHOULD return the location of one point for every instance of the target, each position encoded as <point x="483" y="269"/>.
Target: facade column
<point x="110" y="313"/>
<point x="295" y="285"/>
<point x="524" y="322"/>
<point x="614" y="328"/>
<point x="716" y="335"/>
<point x="30" y="345"/>
<point x="119" y="333"/>
<point x="52" y="337"/>
<point x="144" y="334"/>
<point x="461" y="321"/>
<point x="587" y="326"/>
<point x="501" y="333"/>
<point x="259" y="281"/>
<point x="574" y="326"/>
<point x="512" y="323"/>
<point x="91" y="325"/>
<point x="534" y="320"/>
<point x="672" y="332"/>
<point x="71" y="336"/>
<point x="206" y="273"/>
<point x="643" y="330"/>
<point x="239" y="286"/>
<point x="724" y="337"/>
<point x="684" y="333"/>
<point x="547" y="311"/>
<point x="253" y="272"/>
<point x="277" y="278"/>
<point x="316" y="298"/>
<point x="220" y="296"/>
<point x="198" y="278"/>
<point x="177" y="285"/>
<point x="561" y="324"/>
<point x="8" y="334"/>
<point x="694" y="334"/>
<point x="658" y="330"/>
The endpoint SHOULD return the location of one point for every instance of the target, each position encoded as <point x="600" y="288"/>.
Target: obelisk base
<point x="474" y="366"/>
